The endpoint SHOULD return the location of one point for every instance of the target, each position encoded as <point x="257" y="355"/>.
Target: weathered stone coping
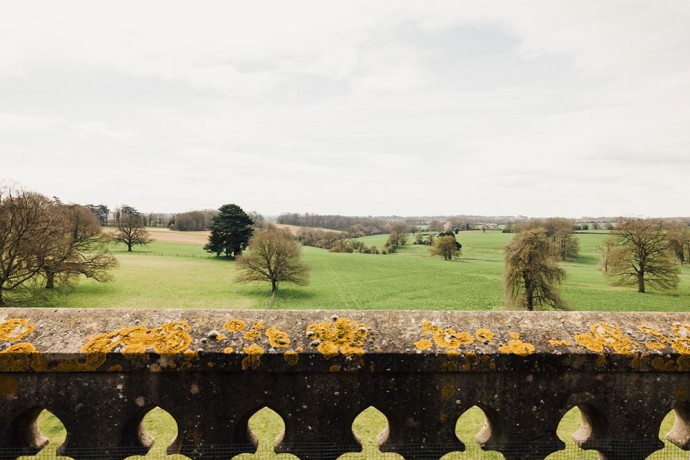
<point x="101" y="371"/>
<point x="116" y="340"/>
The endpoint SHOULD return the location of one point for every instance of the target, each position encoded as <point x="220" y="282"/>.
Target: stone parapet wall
<point x="101" y="371"/>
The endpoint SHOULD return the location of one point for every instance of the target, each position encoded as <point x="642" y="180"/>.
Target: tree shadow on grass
<point x="287" y="296"/>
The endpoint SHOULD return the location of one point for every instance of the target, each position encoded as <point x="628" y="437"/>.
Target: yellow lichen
<point x="606" y="335"/>
<point x="169" y="338"/>
<point x="341" y="336"/>
<point x="682" y="341"/>
<point x="447" y="338"/>
<point x="228" y="350"/>
<point x="220" y="337"/>
<point x="517" y="346"/>
<point x="255" y="332"/>
<point x="22" y="357"/>
<point x="423" y="344"/>
<point x="291" y="357"/>
<point x="484" y="335"/>
<point x="328" y="349"/>
<point x="277" y="338"/>
<point x="655" y="345"/>
<point x="555" y="343"/>
<point x="253" y="359"/>
<point x="235" y="325"/>
<point x="15" y="329"/>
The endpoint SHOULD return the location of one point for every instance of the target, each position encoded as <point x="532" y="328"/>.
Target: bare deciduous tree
<point x="76" y="246"/>
<point x="643" y="255"/>
<point x="531" y="274"/>
<point x="274" y="257"/>
<point x="24" y="230"/>
<point x="130" y="228"/>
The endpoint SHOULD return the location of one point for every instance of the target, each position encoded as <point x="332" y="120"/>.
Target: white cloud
<point x="360" y="107"/>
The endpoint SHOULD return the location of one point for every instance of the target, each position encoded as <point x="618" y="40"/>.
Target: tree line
<point x="354" y="226"/>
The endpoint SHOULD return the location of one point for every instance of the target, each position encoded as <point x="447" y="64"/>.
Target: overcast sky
<point x="540" y="108"/>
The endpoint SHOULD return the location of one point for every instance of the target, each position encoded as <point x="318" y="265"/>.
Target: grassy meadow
<point x="180" y="274"/>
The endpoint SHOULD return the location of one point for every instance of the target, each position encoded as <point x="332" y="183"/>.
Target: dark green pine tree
<point x="230" y="231"/>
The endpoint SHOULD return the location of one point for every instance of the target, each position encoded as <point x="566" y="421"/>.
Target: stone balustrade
<point x="101" y="371"/>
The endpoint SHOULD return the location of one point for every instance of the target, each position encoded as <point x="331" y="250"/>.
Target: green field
<point x="175" y="275"/>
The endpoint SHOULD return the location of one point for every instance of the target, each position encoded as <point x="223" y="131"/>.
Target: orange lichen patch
<point x="277" y="338"/>
<point x="423" y="344"/>
<point x="452" y="353"/>
<point x="253" y="359"/>
<point x="255" y="332"/>
<point x="660" y="341"/>
<point x="229" y="350"/>
<point x="484" y="335"/>
<point x="681" y="330"/>
<point x="169" y="338"/>
<point x="15" y="329"/>
<point x="189" y="358"/>
<point x="682" y="341"/>
<point x="235" y="325"/>
<point x="291" y="357"/>
<point x="555" y="343"/>
<point x="22" y="357"/>
<point x="447" y="338"/>
<point x="606" y="335"/>
<point x="220" y="337"/>
<point x="328" y="349"/>
<point x="517" y="346"/>
<point x="342" y="336"/>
